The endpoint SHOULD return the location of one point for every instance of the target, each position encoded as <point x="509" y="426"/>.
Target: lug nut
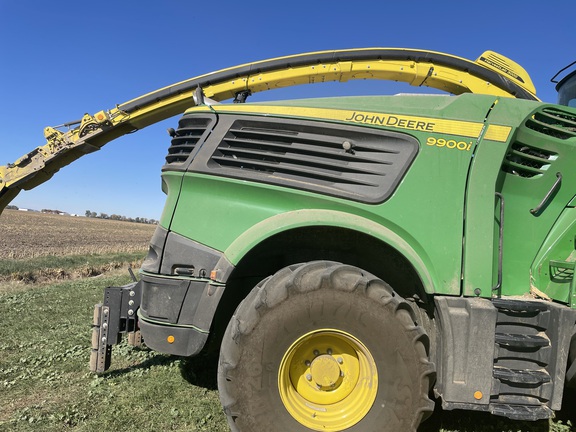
<point x="307" y="363"/>
<point x="309" y="377"/>
<point x="316" y="353"/>
<point x="339" y="360"/>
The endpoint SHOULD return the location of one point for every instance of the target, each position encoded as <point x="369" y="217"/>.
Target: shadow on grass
<point x="567" y="413"/>
<point x="156" y="360"/>
<point x="201" y="370"/>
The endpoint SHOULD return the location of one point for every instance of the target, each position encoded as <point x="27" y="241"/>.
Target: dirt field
<point x="32" y="234"/>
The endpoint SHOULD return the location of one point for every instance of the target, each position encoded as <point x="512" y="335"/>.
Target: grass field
<point x="45" y="338"/>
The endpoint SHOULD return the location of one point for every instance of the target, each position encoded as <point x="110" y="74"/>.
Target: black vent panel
<point x="527" y="161"/>
<point x="553" y="122"/>
<point x="351" y="162"/>
<point x="191" y="130"/>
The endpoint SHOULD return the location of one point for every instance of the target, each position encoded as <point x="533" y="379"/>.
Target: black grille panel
<point x="346" y="161"/>
<point x="190" y="132"/>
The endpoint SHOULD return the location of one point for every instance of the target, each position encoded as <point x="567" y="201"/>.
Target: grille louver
<point x="189" y="133"/>
<point x="526" y="158"/>
<point x="527" y="161"/>
<point x="553" y="122"/>
<point x="344" y="161"/>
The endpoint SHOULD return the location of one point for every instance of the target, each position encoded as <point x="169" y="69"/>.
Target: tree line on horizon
<point x="93" y="214"/>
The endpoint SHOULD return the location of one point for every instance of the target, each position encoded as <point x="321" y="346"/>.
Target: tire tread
<point x="307" y="277"/>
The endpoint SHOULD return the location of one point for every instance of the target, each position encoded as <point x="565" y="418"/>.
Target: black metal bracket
<point x="241" y="96"/>
<point x="113" y="317"/>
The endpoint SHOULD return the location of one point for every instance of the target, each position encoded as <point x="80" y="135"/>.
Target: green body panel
<point x="444" y="215"/>
<point x="286" y="209"/>
<point x="171" y="183"/>
<point x="423" y="218"/>
<point x="482" y="212"/>
<point x="528" y="237"/>
<point x="556" y="281"/>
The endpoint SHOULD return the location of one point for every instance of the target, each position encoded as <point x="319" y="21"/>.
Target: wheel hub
<point x="328" y="380"/>
<point x="325" y="372"/>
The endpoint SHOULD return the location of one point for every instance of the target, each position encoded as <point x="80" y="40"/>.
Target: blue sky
<point x="61" y="59"/>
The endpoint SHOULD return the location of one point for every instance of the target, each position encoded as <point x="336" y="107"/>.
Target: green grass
<point x="45" y="384"/>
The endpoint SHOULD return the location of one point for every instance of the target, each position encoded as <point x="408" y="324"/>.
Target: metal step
<point x="527" y="361"/>
<point x="522" y="412"/>
<point x="525" y="377"/>
<point x="519" y="305"/>
<point x="521" y="340"/>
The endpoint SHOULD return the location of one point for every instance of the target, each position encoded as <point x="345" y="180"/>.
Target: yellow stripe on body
<point x="396" y="121"/>
<point x="497" y="133"/>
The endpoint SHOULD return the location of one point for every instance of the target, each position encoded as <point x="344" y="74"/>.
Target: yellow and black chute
<point x="491" y="74"/>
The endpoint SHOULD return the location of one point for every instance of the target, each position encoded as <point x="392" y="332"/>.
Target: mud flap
<point x="115" y="316"/>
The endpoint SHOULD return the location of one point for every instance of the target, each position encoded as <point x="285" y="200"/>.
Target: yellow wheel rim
<point x="328" y="380"/>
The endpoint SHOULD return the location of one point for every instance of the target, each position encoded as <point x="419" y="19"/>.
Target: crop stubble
<point x="33" y="234"/>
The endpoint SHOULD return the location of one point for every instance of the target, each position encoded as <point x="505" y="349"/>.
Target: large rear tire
<point x="324" y="346"/>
